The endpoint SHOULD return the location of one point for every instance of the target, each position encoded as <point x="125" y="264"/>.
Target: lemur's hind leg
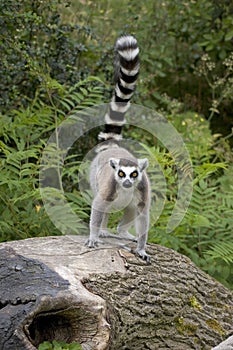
<point x="127" y="222"/>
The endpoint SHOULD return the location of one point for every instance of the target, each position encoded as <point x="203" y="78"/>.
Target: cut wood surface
<point x="107" y="298"/>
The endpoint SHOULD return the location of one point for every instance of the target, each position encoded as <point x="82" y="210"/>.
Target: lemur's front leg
<point x="104" y="227"/>
<point x="97" y="217"/>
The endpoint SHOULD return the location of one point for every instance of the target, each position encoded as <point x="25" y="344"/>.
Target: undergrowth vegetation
<point x="205" y="233"/>
<point x="55" y="345"/>
<point x="23" y="136"/>
<point x="52" y="70"/>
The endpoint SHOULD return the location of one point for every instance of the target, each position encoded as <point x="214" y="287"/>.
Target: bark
<point x="107" y="298"/>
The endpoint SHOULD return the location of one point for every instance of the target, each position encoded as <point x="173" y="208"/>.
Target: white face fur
<point x="128" y="175"/>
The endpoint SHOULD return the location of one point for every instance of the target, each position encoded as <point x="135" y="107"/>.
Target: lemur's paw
<point x="127" y="235"/>
<point x="142" y="254"/>
<point x="91" y="243"/>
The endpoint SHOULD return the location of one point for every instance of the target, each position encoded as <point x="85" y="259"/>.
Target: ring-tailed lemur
<point x="118" y="179"/>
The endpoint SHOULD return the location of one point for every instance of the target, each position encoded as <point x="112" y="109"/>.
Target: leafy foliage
<point x="221" y="87"/>
<point x="205" y="234"/>
<point x="22" y="139"/>
<point x="55" y="345"/>
<point x="173" y="37"/>
<point x="35" y="40"/>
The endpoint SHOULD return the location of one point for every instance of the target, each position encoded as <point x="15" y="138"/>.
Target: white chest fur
<point x="124" y="198"/>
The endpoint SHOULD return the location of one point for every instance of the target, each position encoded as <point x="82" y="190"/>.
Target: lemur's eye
<point x="134" y="174"/>
<point x="121" y="173"/>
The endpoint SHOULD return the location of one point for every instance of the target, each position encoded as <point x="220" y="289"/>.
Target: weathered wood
<point x="107" y="298"/>
<point x="225" y="345"/>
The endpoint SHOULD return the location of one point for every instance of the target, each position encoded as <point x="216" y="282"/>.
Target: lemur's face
<point x="128" y="175"/>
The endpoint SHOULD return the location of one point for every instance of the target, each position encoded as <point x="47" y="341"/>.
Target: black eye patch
<point x="134" y="174"/>
<point x="121" y="173"/>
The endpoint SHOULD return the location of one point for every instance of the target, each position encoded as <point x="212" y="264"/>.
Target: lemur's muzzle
<point x="127" y="184"/>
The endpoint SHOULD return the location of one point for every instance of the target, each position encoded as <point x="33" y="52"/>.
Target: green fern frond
<point x="24" y="134"/>
<point x="206" y="169"/>
<point x="84" y="94"/>
<point x="222" y="251"/>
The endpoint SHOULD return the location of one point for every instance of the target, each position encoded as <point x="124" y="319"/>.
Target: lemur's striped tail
<point x="127" y="66"/>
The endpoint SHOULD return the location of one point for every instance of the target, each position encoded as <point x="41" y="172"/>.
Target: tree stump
<point x="107" y="298"/>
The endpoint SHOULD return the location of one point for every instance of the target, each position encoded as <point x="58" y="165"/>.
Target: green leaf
<point x="229" y="35"/>
<point x="57" y="345"/>
<point x="45" y="346"/>
<point x="200" y="221"/>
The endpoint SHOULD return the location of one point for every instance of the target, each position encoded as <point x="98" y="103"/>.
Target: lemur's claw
<point x="91" y="243"/>
<point x="143" y="255"/>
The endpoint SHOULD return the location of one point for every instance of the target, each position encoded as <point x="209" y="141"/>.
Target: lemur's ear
<point x="143" y="164"/>
<point x="114" y="162"/>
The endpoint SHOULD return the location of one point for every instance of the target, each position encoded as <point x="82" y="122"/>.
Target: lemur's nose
<point x="127" y="184"/>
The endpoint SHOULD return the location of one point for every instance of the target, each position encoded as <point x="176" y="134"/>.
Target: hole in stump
<point x="50" y="327"/>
